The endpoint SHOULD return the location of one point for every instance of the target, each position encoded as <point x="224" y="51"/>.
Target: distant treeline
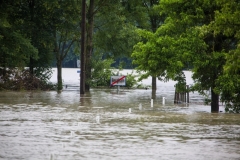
<point x="71" y="62"/>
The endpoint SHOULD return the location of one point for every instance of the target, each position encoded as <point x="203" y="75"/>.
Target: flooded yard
<point x="104" y="124"/>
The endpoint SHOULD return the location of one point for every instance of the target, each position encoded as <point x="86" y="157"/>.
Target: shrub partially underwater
<point x="15" y="79"/>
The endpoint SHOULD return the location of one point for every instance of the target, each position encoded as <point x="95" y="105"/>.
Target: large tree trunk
<point x="214" y="101"/>
<point x="83" y="32"/>
<point x="31" y="7"/>
<point x="59" y="75"/>
<point x="59" y="63"/>
<point x="89" y="44"/>
<point x="154" y="87"/>
<point x="154" y="26"/>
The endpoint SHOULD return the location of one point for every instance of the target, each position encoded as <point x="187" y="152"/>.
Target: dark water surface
<point x="49" y="125"/>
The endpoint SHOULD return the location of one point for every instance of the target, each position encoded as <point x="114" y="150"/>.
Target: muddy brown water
<point x="98" y="125"/>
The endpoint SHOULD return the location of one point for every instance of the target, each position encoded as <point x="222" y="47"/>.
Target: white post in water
<point x="72" y="133"/>
<point x="151" y="102"/>
<point x="97" y="119"/>
<point x="163" y="100"/>
<point x="130" y="110"/>
<point x="118" y="87"/>
<point x="140" y="106"/>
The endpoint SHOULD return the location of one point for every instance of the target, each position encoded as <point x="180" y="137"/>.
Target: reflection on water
<point x="48" y="125"/>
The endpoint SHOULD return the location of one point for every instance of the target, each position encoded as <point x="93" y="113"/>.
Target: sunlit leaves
<point x="229" y="88"/>
<point x="233" y="61"/>
<point x="228" y="22"/>
<point x="228" y="18"/>
<point x="101" y="73"/>
<point x="156" y="55"/>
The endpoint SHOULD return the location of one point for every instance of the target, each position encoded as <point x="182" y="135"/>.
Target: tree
<point x="186" y="36"/>
<point x="208" y="67"/>
<point x="38" y="27"/>
<point x="83" y="49"/>
<point x="106" y="33"/>
<point x="227" y="22"/>
<point x="164" y="54"/>
<point x="65" y="15"/>
<point x="25" y="40"/>
<point x="145" y="15"/>
<point x="89" y="41"/>
<point x="196" y="17"/>
<point x="115" y="38"/>
<point x="16" y="48"/>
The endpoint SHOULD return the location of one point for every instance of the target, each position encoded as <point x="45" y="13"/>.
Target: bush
<point x="101" y="72"/>
<point x="15" y="79"/>
<point x="131" y="80"/>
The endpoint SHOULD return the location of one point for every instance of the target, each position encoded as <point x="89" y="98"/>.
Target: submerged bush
<point x="15" y="79"/>
<point x="131" y="80"/>
<point x="101" y="72"/>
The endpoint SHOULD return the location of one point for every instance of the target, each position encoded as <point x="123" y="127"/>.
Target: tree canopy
<point x="202" y="34"/>
<point x="16" y="48"/>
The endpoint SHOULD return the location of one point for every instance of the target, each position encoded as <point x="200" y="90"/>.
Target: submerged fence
<point x="181" y="96"/>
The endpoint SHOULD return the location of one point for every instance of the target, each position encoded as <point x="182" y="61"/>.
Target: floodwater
<point x="104" y="124"/>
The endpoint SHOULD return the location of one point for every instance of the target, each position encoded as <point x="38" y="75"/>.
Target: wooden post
<point x="175" y="97"/>
<point x="181" y="97"/>
<point x="186" y="97"/>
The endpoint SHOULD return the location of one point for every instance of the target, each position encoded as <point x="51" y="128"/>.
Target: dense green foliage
<point x="101" y="72"/>
<point x="131" y="81"/>
<point x="227" y="22"/>
<point x="114" y="36"/>
<point x="16" y="48"/>
<point x="25" y="37"/>
<point x="203" y="34"/>
<point x="145" y="15"/>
